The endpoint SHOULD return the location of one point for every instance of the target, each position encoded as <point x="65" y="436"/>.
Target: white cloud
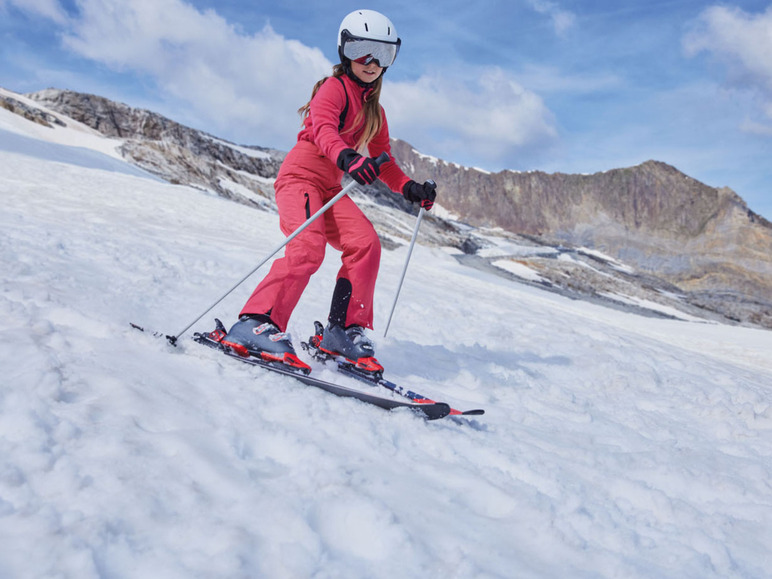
<point x="562" y="20"/>
<point x="489" y="116"/>
<point x="545" y="78"/>
<point x="246" y="86"/>
<point x="742" y="41"/>
<point x="756" y="128"/>
<point x="46" y="8"/>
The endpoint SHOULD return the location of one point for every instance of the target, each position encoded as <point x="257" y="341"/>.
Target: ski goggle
<point x="365" y="50"/>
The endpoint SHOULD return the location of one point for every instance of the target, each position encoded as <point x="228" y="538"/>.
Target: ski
<point x="379" y="380"/>
<point x="375" y="378"/>
<point x="430" y="409"/>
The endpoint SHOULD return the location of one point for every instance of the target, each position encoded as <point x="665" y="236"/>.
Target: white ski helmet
<point x="367" y="35"/>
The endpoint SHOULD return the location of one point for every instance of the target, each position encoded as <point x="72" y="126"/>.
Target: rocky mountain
<point x="645" y="237"/>
<point x="703" y="240"/>
<point x="172" y="151"/>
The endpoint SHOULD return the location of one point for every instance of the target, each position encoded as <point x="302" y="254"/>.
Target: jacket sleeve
<point x="391" y="174"/>
<point x="326" y="107"/>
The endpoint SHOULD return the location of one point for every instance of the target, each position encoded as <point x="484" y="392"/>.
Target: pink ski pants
<point x="306" y="181"/>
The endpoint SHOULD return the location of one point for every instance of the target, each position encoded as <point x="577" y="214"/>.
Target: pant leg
<point x="279" y="292"/>
<point x="350" y="231"/>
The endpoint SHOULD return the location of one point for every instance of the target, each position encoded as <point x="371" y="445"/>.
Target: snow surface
<point x="650" y="305"/>
<point x="75" y="134"/>
<point x="503" y="247"/>
<point x="519" y="269"/>
<point x="608" y="259"/>
<point x="612" y="445"/>
<point x="256" y="153"/>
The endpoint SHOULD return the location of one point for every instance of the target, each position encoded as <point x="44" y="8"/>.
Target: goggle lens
<point x="365" y="51"/>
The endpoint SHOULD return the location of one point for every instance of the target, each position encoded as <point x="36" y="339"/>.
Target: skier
<point x="344" y="129"/>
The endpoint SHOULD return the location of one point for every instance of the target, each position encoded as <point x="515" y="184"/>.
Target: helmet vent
<point x="367" y="27"/>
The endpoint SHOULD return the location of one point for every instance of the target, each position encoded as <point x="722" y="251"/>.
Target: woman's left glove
<point x="424" y="194"/>
<point x="364" y="170"/>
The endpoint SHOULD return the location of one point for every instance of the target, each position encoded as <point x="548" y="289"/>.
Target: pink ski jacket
<point x="334" y="108"/>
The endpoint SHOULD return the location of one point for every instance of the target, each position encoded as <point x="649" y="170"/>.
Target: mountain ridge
<point x="703" y="241"/>
<point x="652" y="216"/>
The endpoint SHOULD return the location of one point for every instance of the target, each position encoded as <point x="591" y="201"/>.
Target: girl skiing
<point x="341" y="122"/>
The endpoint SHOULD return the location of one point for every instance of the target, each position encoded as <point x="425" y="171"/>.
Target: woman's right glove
<point x="364" y="170"/>
<point x="424" y="194"/>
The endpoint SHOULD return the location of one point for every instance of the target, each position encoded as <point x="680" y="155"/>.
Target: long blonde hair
<point x="371" y="111"/>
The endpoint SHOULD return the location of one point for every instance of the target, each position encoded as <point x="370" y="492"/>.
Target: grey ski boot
<point x="351" y="344"/>
<point x="256" y="335"/>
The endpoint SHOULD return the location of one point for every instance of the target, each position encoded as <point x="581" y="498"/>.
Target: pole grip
<point x="382" y="158"/>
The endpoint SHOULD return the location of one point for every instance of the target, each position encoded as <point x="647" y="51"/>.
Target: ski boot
<point x="349" y="347"/>
<point x="255" y="336"/>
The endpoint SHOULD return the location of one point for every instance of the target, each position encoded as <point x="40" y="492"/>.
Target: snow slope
<point x="613" y="445"/>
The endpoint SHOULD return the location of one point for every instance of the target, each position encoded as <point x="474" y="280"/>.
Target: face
<point x="366" y="72"/>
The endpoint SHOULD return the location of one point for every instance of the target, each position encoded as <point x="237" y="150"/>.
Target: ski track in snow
<point x="612" y="445"/>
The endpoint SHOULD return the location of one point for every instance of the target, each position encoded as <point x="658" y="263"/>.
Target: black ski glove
<point x="364" y="170"/>
<point x="424" y="194"/>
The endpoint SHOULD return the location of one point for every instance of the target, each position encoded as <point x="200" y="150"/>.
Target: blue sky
<point x="569" y="86"/>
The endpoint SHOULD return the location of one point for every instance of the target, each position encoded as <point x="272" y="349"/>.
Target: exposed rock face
<point x="31" y="114"/>
<point x="177" y="153"/>
<point x="702" y="239"/>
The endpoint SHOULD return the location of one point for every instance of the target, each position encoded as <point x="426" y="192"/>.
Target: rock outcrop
<point x="172" y="151"/>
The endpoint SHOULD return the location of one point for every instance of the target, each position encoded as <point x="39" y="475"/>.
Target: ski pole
<point x="404" y="270"/>
<point x="380" y="160"/>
